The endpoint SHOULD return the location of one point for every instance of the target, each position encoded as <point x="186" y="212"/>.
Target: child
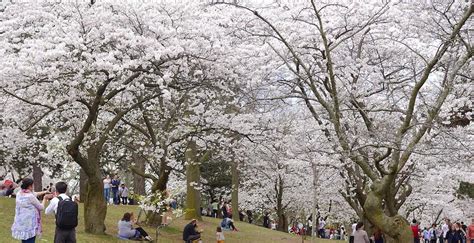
<point x="220" y="235"/>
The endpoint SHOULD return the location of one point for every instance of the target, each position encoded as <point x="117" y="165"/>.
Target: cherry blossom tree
<point x="379" y="85"/>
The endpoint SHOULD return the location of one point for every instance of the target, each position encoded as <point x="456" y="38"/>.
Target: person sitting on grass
<point x="126" y="230"/>
<point x="228" y="224"/>
<point x="190" y="234"/>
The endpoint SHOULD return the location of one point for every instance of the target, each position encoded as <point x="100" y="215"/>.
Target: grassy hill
<point x="248" y="233"/>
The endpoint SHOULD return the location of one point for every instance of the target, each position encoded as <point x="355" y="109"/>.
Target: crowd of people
<point x="53" y="200"/>
<point x="448" y="232"/>
<point x="120" y="192"/>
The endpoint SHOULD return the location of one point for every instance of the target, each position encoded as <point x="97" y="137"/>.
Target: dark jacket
<point x="189" y="230"/>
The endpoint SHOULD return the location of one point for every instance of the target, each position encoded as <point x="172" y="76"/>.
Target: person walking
<point x="27" y="223"/>
<point x="66" y="212"/>
<point x="360" y="235"/>
<point x="107" y="186"/>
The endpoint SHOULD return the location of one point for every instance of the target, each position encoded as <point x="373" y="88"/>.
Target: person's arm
<point x="36" y="202"/>
<point x="53" y="204"/>
<point x="366" y="237"/>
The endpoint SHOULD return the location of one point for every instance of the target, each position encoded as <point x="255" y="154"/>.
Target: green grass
<point x="248" y="233"/>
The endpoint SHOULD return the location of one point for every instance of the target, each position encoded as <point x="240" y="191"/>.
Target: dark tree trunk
<point x="138" y="180"/>
<point x="37" y="178"/>
<point x="282" y="220"/>
<point x="82" y="185"/>
<point x="235" y="191"/>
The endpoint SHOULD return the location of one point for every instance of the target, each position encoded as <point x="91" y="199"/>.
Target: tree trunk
<point x="138" y="180"/>
<point x="282" y="221"/>
<point x="82" y="185"/>
<point x="95" y="207"/>
<point x="193" y="199"/>
<point x="396" y="228"/>
<point x="314" y="226"/>
<point x="37" y="178"/>
<point x="235" y="191"/>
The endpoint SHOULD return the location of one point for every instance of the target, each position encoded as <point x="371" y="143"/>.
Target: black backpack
<point x="66" y="214"/>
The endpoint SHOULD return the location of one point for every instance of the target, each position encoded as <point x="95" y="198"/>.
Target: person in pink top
<point x="27" y="223"/>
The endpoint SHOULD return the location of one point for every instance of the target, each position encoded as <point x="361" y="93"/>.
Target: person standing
<point x="354" y="228"/>
<point x="433" y="233"/>
<point x="360" y="235"/>
<point x="219" y="235"/>
<point x="378" y="236"/>
<point x="470" y="232"/>
<point x="249" y="216"/>
<point x="225" y="210"/>
<point x="123" y="192"/>
<point x="446" y="229"/>
<point x="66" y="212"/>
<point x="321" y="229"/>
<point x="458" y="234"/>
<point x="416" y="232"/>
<point x="27" y="223"/>
<point x="115" y="183"/>
<point x="266" y="220"/>
<point x="426" y="235"/>
<point x="215" y="208"/>
<point x="107" y="186"/>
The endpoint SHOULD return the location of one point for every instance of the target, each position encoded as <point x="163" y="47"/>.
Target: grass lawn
<point x="172" y="233"/>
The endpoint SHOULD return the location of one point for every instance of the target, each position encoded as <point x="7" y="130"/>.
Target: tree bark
<point x="193" y="198"/>
<point x="396" y="228"/>
<point x="314" y="226"/>
<point x="95" y="207"/>
<point x="282" y="221"/>
<point x="37" y="178"/>
<point x="139" y="181"/>
<point x="235" y="191"/>
<point x="82" y="185"/>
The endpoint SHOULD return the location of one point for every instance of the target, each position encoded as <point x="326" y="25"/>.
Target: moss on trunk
<point x="395" y="227"/>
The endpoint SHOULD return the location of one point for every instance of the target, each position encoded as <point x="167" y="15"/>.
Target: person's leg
<point x="194" y="237"/>
<point x="351" y="239"/>
<point x="60" y="236"/>
<point x="70" y="236"/>
<point x="30" y="240"/>
<point x="142" y="231"/>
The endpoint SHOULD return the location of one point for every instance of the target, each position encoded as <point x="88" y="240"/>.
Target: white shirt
<point x="53" y="204"/>
<point x="322" y="223"/>
<point x="106" y="183"/>
<point x="445" y="229"/>
<point x="354" y="226"/>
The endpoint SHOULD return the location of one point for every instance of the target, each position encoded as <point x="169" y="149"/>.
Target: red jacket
<point x="414" y="228"/>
